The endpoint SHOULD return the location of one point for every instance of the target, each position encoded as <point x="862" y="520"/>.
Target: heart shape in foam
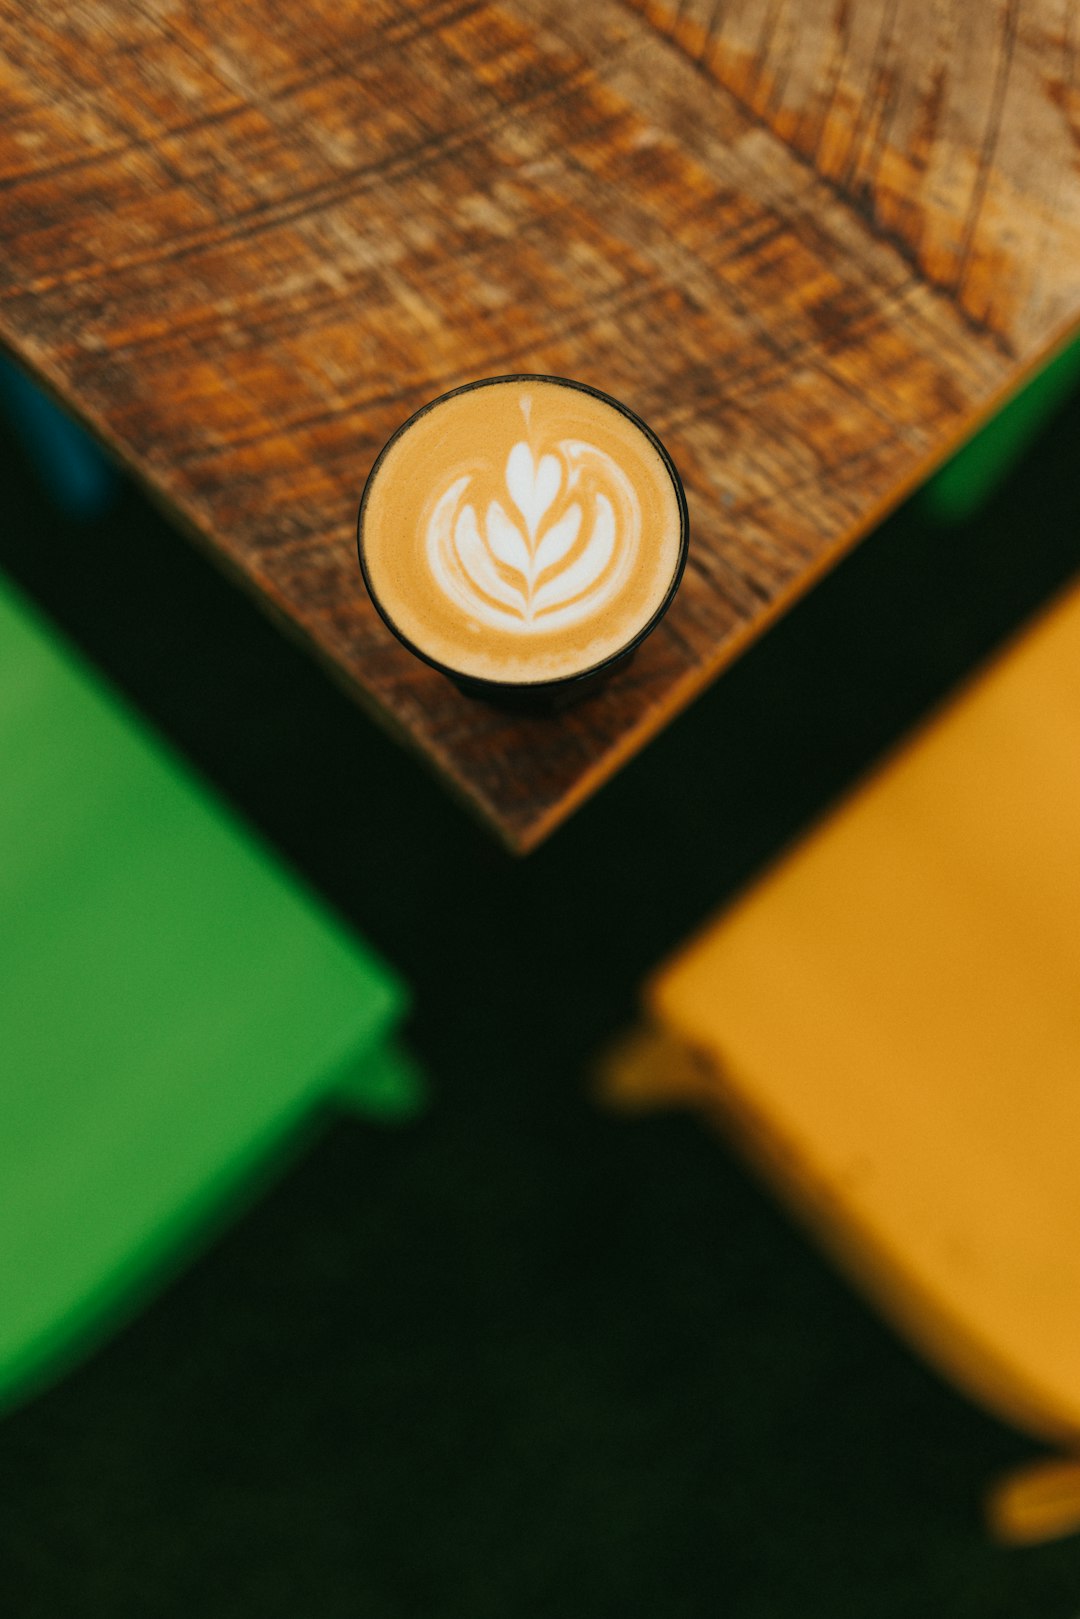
<point x="544" y="577"/>
<point x="533" y="485"/>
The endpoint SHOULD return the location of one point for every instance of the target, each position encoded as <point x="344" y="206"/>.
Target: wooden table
<point x="811" y="242"/>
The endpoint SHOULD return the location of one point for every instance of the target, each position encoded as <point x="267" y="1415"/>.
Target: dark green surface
<point x="524" y="1358"/>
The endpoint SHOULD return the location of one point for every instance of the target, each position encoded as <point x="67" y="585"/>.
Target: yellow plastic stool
<point x="891" y="1022"/>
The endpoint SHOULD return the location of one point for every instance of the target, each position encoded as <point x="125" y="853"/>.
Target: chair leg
<point x="77" y="476"/>
<point x="1035" y="1503"/>
<point x="647" y="1068"/>
<point x="387" y="1084"/>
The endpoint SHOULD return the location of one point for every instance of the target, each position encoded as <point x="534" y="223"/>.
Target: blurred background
<point x="522" y="1355"/>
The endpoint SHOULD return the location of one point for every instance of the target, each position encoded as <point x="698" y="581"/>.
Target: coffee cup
<point x="523" y="535"/>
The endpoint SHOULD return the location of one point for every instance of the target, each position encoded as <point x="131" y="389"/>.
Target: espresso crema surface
<point x="521" y="531"/>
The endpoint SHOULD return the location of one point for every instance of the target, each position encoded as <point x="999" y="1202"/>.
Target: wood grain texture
<point x="809" y="242"/>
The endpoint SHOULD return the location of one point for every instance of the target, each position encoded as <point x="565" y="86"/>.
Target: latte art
<point x="554" y="548"/>
<point x="522" y="531"/>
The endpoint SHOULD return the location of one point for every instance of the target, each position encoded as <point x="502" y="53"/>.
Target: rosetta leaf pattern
<point x="548" y="549"/>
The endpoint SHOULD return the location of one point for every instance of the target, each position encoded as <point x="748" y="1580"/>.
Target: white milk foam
<point x="556" y="548"/>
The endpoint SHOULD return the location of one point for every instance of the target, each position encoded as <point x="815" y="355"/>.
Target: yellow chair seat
<point x="892" y="1019"/>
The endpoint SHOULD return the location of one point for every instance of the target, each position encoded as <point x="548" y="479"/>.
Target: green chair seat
<point x="172" y="1006"/>
<point x="969" y="479"/>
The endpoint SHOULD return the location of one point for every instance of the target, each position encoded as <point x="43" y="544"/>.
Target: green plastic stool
<point x="969" y="479"/>
<point x="173" y="1007"/>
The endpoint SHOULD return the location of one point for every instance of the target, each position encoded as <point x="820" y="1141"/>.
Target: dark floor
<point x="523" y="1358"/>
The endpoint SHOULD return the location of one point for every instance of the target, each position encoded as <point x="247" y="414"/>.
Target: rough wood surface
<point x="810" y="242"/>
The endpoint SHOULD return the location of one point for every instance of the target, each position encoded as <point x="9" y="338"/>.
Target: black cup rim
<point x="622" y="653"/>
